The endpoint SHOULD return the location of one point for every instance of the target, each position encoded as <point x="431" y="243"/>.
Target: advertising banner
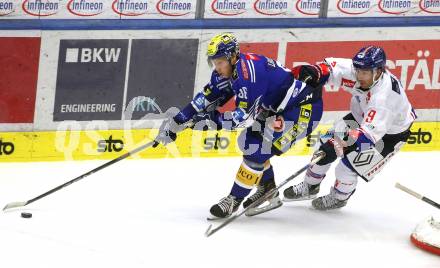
<point x="90" y="80"/>
<point x="97" y="9"/>
<point x="86" y="81"/>
<point x="109" y="144"/>
<point x="94" y="79"/>
<point x="415" y="62"/>
<point x="19" y="58"/>
<point x="163" y="72"/>
<point x="17" y="146"/>
<point x="186" y="9"/>
<point x="383" y="8"/>
<point x="262" y="9"/>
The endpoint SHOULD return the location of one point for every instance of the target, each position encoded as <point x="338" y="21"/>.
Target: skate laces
<point x="261" y="190"/>
<point x="227" y="203"/>
<point x="329" y="200"/>
<point x="301" y="188"/>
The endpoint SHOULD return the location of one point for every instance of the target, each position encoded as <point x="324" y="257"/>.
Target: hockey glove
<point x="339" y="145"/>
<point x="355" y="140"/>
<point x="339" y="128"/>
<point x="207" y="121"/>
<point x="167" y="132"/>
<point x="313" y="75"/>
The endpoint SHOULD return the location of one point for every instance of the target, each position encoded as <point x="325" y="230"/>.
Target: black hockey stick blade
<point x="316" y="157"/>
<point x="22" y="204"/>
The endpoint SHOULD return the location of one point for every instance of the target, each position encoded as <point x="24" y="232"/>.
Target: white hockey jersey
<point x="384" y="109"/>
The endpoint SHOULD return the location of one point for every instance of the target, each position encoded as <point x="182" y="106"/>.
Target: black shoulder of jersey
<point x="395" y="85"/>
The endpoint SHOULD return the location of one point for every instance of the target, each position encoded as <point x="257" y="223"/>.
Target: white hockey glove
<point x="167" y="132"/>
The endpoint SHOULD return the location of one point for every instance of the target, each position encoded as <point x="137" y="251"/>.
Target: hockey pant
<point x="369" y="163"/>
<point x="275" y="136"/>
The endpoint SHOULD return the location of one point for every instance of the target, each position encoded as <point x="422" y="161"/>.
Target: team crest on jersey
<point x="348" y="83"/>
<point x="244" y="70"/>
<point x="235" y="74"/>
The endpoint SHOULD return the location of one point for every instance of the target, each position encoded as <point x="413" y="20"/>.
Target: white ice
<point x="152" y="213"/>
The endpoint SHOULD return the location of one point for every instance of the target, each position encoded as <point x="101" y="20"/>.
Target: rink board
<point x="77" y="72"/>
<point x="109" y="144"/>
<point x="86" y="86"/>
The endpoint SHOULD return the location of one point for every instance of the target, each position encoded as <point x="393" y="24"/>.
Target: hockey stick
<point x="417" y="195"/>
<point x="316" y="157"/>
<point x="24" y="203"/>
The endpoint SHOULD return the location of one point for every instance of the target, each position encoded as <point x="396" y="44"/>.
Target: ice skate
<point x="273" y="201"/>
<point x="328" y="202"/>
<point x="301" y="191"/>
<point x="225" y="208"/>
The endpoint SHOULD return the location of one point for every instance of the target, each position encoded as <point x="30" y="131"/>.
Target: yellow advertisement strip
<point x="109" y="144"/>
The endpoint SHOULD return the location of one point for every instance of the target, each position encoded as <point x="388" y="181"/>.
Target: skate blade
<point x="273" y="204"/>
<point x="310" y="197"/>
<point x="208" y="231"/>
<point x="319" y="208"/>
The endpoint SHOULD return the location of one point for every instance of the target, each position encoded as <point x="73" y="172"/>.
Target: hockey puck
<point x="26" y="215"/>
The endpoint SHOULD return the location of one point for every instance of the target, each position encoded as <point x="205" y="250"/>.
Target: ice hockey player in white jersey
<point x="377" y="126"/>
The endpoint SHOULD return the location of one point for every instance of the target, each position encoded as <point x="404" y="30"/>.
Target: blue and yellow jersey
<point x="260" y="83"/>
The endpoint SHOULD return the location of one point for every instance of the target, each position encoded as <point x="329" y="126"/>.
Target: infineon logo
<point x="173" y="7"/>
<point x="354" y="7"/>
<point x="85" y="8"/>
<point x="228" y="7"/>
<point x="6" y="8"/>
<point x="394" y="6"/>
<point x="97" y="55"/>
<point x="130" y="7"/>
<point x="270" y="7"/>
<point x="430" y="6"/>
<point x="308" y="7"/>
<point x="41" y="8"/>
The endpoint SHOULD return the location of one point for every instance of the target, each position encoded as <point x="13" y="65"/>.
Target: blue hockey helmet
<point x="223" y="45"/>
<point x="370" y="57"/>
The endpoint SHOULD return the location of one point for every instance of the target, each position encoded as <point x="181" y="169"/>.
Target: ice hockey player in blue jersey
<point x="275" y="109"/>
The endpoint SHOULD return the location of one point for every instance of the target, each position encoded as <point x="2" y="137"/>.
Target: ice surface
<point x="152" y="213"/>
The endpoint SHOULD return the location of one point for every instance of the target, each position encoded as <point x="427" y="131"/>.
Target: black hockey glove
<point x="313" y="75"/>
<point x="330" y="153"/>
<point x="307" y="74"/>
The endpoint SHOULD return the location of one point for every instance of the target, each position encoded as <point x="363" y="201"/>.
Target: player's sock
<point x="266" y="184"/>
<point x="248" y="175"/>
